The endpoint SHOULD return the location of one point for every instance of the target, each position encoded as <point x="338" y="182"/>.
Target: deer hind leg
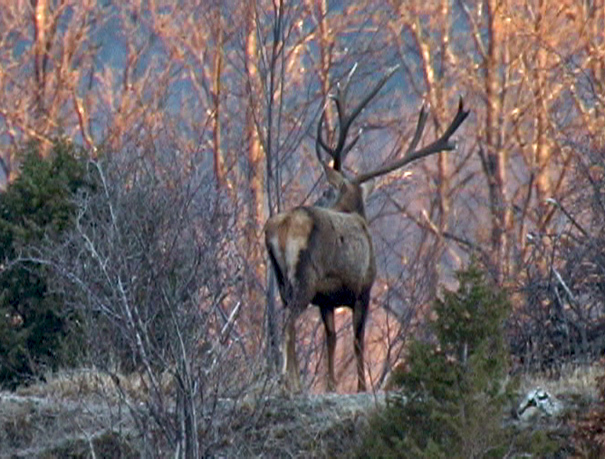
<point x="327" y="315"/>
<point x="360" y="312"/>
<point x="290" y="371"/>
<point x="293" y="309"/>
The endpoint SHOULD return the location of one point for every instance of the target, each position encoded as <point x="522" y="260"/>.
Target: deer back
<point x="343" y="254"/>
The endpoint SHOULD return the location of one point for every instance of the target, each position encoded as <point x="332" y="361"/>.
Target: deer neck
<point x="350" y="203"/>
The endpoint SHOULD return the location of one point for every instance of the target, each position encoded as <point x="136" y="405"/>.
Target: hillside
<point x="82" y="416"/>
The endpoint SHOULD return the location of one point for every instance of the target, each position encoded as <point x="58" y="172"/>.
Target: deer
<point x="324" y="256"/>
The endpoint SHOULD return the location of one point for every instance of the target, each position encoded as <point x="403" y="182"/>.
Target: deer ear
<point x="335" y="178"/>
<point x="367" y="188"/>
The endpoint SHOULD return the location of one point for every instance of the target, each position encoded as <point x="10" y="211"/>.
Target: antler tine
<point x="349" y="147"/>
<point x="351" y="72"/>
<point x="340" y="151"/>
<point x="340" y="99"/>
<point x="422" y="118"/>
<point x="441" y="144"/>
<point x="373" y="93"/>
<point x="319" y="142"/>
<point x="344" y="121"/>
<point x="457" y="121"/>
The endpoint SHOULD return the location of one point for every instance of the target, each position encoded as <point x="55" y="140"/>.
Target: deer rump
<point x="321" y="257"/>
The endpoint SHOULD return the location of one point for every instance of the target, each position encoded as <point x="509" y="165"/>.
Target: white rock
<point x="538" y="403"/>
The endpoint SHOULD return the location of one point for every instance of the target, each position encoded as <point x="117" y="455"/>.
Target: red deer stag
<point x="324" y="256"/>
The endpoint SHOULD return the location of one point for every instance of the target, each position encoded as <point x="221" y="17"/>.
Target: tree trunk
<point x="219" y="162"/>
<point x="495" y="160"/>
<point x="256" y="161"/>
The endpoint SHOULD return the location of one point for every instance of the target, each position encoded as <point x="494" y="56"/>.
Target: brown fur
<point x="325" y="257"/>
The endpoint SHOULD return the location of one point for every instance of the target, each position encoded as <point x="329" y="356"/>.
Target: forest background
<point x="196" y="121"/>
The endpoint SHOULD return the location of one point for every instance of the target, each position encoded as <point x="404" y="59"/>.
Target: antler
<point x="441" y="144"/>
<point x="339" y="152"/>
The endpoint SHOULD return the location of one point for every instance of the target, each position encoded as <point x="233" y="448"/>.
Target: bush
<point x="152" y="266"/>
<point x="35" y="325"/>
<point x="454" y="393"/>
<point x="589" y="433"/>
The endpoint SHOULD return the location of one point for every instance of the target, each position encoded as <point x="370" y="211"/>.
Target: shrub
<point x="35" y="325"/>
<point x="152" y="266"/>
<point x="589" y="434"/>
<point x="454" y="393"/>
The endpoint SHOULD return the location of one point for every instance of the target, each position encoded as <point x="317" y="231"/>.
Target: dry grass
<point x="77" y="384"/>
<point x="70" y="385"/>
<point x="578" y="380"/>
